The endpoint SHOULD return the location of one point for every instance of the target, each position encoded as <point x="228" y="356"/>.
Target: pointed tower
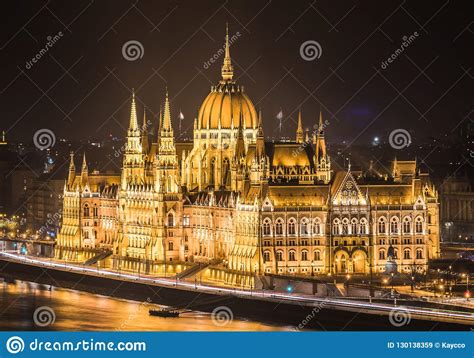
<point x="321" y="158"/>
<point x="72" y="172"/>
<point x="133" y="170"/>
<point x="167" y="159"/>
<point x="258" y="170"/>
<point x="145" y="142"/>
<point x="299" y="130"/>
<point x="227" y="68"/>
<point x="84" y="173"/>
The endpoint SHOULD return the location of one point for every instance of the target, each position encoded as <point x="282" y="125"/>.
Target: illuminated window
<point x="317" y="255"/>
<point x="419" y="225"/>
<point x="291" y="227"/>
<point x="304" y="255"/>
<point x="382" y="226"/>
<point x="279" y="227"/>
<point x="292" y="256"/>
<point x="406" y="225"/>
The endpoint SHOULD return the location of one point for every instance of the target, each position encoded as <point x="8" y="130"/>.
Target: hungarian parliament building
<point x="244" y="207"/>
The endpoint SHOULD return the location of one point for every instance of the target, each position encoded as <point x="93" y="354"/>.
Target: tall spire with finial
<point x="167" y="115"/>
<point x="299" y="130"/>
<point x="72" y="171"/>
<point x="260" y="143"/>
<point x="84" y="172"/>
<point x="133" y="114"/>
<point x="145" y="143"/>
<point x="227" y="68"/>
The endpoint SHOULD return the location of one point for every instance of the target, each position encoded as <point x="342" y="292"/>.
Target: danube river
<point x="81" y="311"/>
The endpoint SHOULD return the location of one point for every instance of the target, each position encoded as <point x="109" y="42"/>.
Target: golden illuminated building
<point x="245" y="206"/>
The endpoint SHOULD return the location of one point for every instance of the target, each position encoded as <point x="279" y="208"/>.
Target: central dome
<point x="227" y="101"/>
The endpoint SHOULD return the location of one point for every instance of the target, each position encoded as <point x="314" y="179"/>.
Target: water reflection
<point x="76" y="310"/>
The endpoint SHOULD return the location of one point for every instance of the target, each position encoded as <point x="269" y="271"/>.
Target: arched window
<point x="266" y="256"/>
<point x="317" y="227"/>
<point x="363" y="227"/>
<point x="335" y="227"/>
<point x="394" y="225"/>
<point x="345" y="226"/>
<point x="382" y="255"/>
<point x="279" y="227"/>
<point x="419" y="225"/>
<point x="279" y="255"/>
<point x="304" y="227"/>
<point x="291" y="227"/>
<point x="419" y="254"/>
<point x="317" y="255"/>
<point x="266" y="228"/>
<point x="170" y="246"/>
<point x="304" y="255"/>
<point x="292" y="255"/>
<point x="382" y="226"/>
<point x="95" y="211"/>
<point x="354" y="227"/>
<point x="170" y="220"/>
<point x="86" y="210"/>
<point x="406" y="225"/>
<point x="406" y="254"/>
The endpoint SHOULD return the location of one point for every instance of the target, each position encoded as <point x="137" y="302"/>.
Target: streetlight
<point x="312" y="268"/>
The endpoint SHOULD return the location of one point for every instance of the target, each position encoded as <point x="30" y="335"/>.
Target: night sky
<point x="81" y="87"/>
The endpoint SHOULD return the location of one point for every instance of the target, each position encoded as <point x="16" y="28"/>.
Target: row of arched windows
<point x="406" y="254"/>
<point x="304" y="256"/>
<point x="306" y="227"/>
<point x="395" y="227"/>
<point x="352" y="227"/>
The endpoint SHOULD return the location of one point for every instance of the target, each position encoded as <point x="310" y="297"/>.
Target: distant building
<point x="457" y="209"/>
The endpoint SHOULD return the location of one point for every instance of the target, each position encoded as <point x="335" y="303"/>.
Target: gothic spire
<point x="227" y="68"/>
<point x="260" y="143"/>
<point x="167" y="115"/>
<point x="72" y="170"/>
<point x="133" y="114"/>
<point x="299" y="130"/>
<point x="84" y="172"/>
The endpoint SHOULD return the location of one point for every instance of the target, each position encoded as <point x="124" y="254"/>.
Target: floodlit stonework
<point x="251" y="207"/>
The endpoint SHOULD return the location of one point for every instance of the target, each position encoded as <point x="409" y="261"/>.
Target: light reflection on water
<point x="76" y="310"/>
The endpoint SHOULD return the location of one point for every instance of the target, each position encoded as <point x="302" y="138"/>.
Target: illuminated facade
<point x="247" y="206"/>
